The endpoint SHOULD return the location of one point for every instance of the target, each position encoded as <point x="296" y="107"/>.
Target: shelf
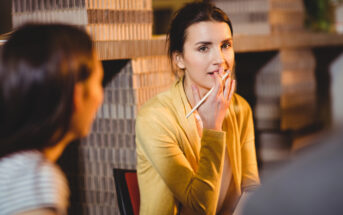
<point x="126" y="49"/>
<point x="243" y="43"/>
<point x="274" y="42"/>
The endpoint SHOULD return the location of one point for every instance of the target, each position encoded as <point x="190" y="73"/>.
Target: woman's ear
<point x="178" y="59"/>
<point x="78" y="96"/>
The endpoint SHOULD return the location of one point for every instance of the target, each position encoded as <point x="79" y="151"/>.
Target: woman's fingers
<point x="228" y="76"/>
<point x="232" y="90"/>
<point x="227" y="88"/>
<point x="224" y="76"/>
<point x="218" y="86"/>
<point x="213" y="110"/>
<point x="196" y="93"/>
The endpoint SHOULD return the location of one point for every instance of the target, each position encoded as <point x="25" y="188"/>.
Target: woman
<point x="201" y="164"/>
<point x="50" y="90"/>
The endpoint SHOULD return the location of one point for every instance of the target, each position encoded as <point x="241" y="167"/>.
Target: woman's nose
<point x="218" y="57"/>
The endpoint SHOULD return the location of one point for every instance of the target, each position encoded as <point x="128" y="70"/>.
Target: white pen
<point x="205" y="97"/>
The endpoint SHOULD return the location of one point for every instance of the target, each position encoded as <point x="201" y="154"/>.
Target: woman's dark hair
<point x="190" y="14"/>
<point x="39" y="67"/>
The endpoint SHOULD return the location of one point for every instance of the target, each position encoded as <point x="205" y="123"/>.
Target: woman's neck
<point x="54" y="152"/>
<point x="187" y="85"/>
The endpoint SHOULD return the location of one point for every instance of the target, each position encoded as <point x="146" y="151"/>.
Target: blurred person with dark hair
<point x="311" y="184"/>
<point x="50" y="90"/>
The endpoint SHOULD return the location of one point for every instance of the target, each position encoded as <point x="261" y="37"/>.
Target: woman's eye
<point x="203" y="48"/>
<point x="226" y="45"/>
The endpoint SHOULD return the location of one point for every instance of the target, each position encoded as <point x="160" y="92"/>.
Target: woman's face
<point x="91" y="98"/>
<point x="207" y="48"/>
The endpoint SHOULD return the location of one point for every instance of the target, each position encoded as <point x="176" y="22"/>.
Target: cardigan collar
<point x="182" y="108"/>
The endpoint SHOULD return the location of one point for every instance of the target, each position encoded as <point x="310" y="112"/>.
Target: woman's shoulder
<point x="27" y="172"/>
<point x="159" y="114"/>
<point x="27" y="160"/>
<point x="162" y="103"/>
<point x="30" y="165"/>
<point x="240" y="104"/>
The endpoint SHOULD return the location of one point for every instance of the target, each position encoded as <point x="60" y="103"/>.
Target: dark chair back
<point x="127" y="191"/>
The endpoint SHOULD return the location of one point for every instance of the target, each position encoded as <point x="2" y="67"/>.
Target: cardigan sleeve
<point x="250" y="177"/>
<point x="197" y="191"/>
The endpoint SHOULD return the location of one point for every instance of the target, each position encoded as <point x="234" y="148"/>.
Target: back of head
<point x="39" y="67"/>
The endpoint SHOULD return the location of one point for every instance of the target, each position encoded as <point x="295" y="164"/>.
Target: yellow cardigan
<point x="179" y="172"/>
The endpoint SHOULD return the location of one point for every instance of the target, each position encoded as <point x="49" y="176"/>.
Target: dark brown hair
<point x="190" y="14"/>
<point x="39" y="67"/>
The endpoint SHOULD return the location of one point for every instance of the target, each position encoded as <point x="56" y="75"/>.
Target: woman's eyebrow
<point x="203" y="43"/>
<point x="209" y="43"/>
<point x="227" y="40"/>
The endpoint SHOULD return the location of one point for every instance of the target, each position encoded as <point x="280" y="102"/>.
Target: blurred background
<point x="289" y="65"/>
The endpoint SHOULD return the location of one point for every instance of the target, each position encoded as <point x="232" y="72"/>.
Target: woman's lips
<point x="220" y="75"/>
<point x="211" y="73"/>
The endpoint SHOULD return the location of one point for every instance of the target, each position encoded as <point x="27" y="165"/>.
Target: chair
<point x="127" y="191"/>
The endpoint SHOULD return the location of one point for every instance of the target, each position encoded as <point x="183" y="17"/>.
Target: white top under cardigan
<point x="226" y="172"/>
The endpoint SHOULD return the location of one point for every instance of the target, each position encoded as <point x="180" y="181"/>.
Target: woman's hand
<point x="212" y="111"/>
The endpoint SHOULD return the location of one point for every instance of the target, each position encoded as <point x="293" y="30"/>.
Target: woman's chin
<point x="204" y="88"/>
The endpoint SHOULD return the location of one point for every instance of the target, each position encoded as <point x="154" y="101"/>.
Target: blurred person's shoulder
<point x="29" y="181"/>
<point x="311" y="183"/>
